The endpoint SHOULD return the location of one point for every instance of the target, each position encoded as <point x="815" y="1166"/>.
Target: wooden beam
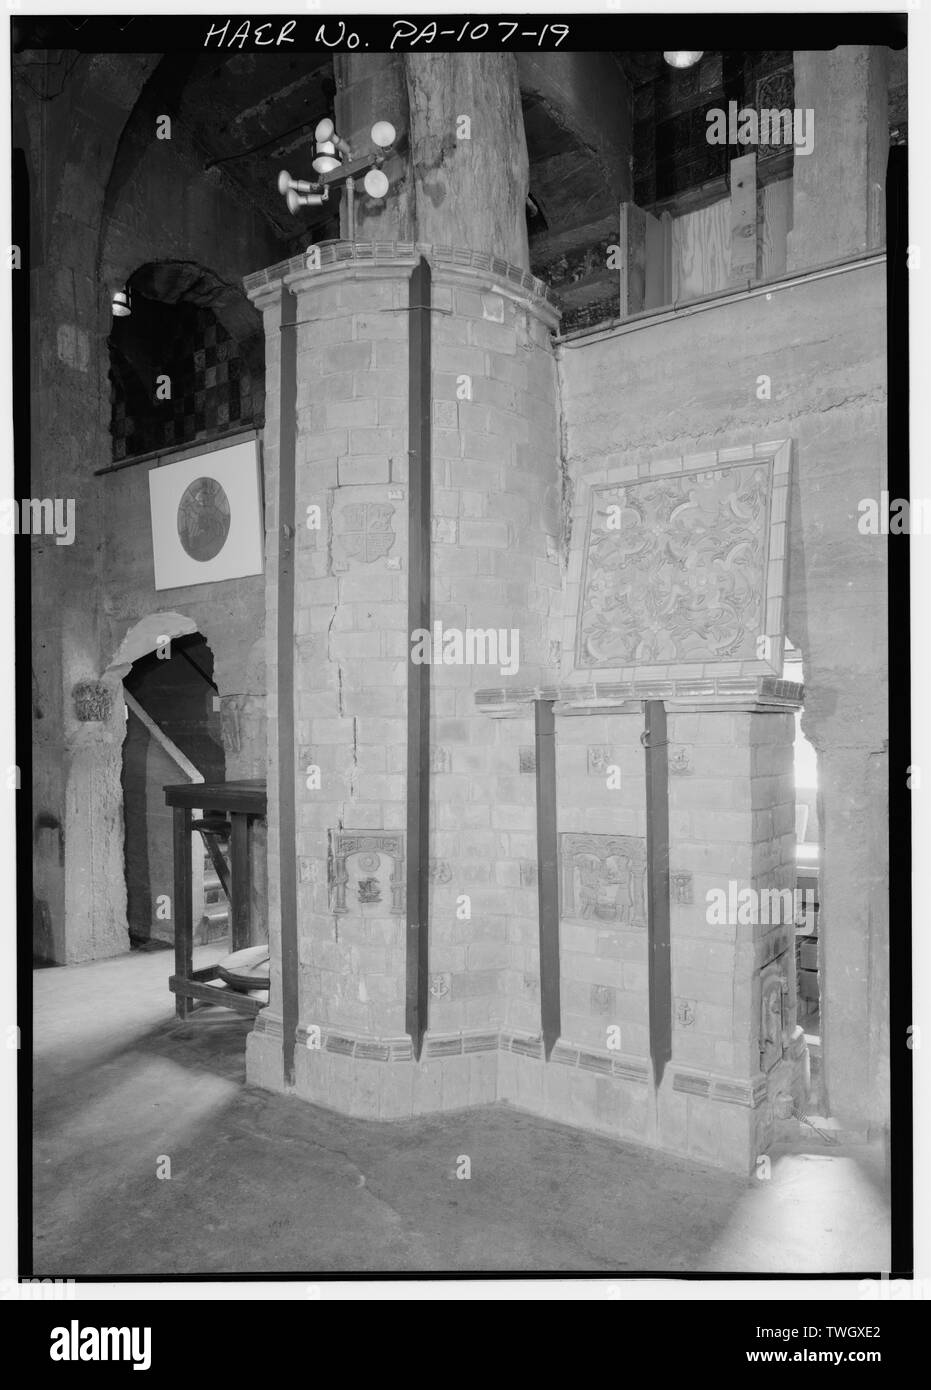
<point x="186" y="990"/>
<point x="659" y="963"/>
<point x="240" y="893"/>
<point x="547" y="872"/>
<point x="743" y="219"/>
<point x="418" y="676"/>
<point x="287" y="810"/>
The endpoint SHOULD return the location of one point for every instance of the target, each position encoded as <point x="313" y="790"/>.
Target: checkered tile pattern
<point x="213" y="390"/>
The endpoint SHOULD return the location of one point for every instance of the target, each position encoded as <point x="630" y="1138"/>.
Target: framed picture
<point x="207" y="517"/>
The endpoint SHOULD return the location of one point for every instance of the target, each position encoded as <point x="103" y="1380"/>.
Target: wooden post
<point x="468" y="152"/>
<point x="240" y="904"/>
<point x="418" y="676"/>
<point x="547" y="872"/>
<point x="743" y="219"/>
<point x="183" y="906"/>
<point x="659" y="963"/>
<point x="287" y="810"/>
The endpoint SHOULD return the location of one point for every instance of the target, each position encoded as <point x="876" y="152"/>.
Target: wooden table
<point x="243" y="802"/>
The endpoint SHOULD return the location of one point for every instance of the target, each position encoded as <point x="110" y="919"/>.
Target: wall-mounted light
<point x="330" y="148"/>
<point x="122" y="303"/>
<point x="334" y="161"/>
<point x="383" y="135"/>
<point x="683" y="58"/>
<point x="300" y="193"/>
<point x="375" y="183"/>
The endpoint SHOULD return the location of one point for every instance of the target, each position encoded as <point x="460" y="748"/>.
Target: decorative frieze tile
<point x="595" y="1061"/>
<point x="631" y="1070"/>
<point x="443" y="1047"/>
<point x="527" y="1047"/>
<point x="693" y="1085"/>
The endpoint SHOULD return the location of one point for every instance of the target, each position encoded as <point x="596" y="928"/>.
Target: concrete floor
<point x="263" y="1183"/>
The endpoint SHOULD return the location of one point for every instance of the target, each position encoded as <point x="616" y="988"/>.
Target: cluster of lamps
<point x="333" y="161"/>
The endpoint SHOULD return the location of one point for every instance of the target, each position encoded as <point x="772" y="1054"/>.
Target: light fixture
<point x="383" y="134"/>
<point x="334" y="161"/>
<point x="375" y="183"/>
<point x="330" y="148"/>
<point x="122" y="303"/>
<point x="326" y="159"/>
<point x="300" y="193"/>
<point x="683" y="58"/>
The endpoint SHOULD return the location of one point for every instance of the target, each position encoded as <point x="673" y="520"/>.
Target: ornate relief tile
<point x="676" y="568"/>
<point x="368" y="870"/>
<point x="604" y="878"/>
<point x="363" y="529"/>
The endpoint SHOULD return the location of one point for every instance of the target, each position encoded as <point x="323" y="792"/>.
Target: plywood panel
<point x="775" y="225"/>
<point x="701" y="251"/>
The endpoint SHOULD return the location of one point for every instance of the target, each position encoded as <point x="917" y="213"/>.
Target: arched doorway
<point x="173" y="734"/>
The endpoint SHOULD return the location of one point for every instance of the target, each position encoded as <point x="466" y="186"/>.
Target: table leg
<point x="241" y="905"/>
<point x="183" y="904"/>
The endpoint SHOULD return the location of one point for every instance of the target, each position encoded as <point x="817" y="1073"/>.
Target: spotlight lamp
<point x="683" y="58"/>
<point x="383" y="135"/>
<point x="306" y="200"/>
<point x="300" y="193"/>
<point x="375" y="183"/>
<point x="122" y="303"/>
<point x="330" y="149"/>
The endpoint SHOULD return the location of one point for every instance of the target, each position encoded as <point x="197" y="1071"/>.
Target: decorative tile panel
<point x="604" y="878"/>
<point x="368" y="871"/>
<point x="682" y="568"/>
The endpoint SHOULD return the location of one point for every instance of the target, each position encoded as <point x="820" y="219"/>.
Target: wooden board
<point x="775" y="202"/>
<point x="743" y="219"/>
<point x="701" y="251"/>
<point x="644" y="244"/>
<point x="185" y="990"/>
